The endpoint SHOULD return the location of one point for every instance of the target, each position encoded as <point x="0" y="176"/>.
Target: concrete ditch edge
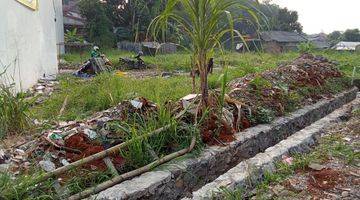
<point x="179" y="178"/>
<point x="251" y="171"/>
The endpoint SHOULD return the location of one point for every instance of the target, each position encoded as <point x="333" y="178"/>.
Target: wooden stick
<point x="128" y="175"/>
<point x="64" y="105"/>
<point x="111" y="166"/>
<point x="97" y="156"/>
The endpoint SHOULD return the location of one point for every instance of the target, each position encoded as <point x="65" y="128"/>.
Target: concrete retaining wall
<point x="249" y="172"/>
<point x="179" y="178"/>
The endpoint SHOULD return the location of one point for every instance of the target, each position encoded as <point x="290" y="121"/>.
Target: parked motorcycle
<point x="129" y="64"/>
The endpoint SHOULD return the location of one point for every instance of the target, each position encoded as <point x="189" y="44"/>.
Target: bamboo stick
<point x="64" y="105"/>
<point x="128" y="175"/>
<point x="111" y="166"/>
<point x="99" y="155"/>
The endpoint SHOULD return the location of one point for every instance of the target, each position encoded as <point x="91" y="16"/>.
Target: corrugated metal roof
<point x="346" y="46"/>
<point x="282" y="36"/>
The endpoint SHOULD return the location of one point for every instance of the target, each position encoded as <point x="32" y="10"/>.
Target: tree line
<point x="109" y="21"/>
<point x="350" y="35"/>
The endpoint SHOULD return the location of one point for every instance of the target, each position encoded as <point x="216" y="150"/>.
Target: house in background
<point x="320" y="40"/>
<point x="281" y="41"/>
<point x="72" y="17"/>
<point x="347" y="46"/>
<point x="29" y="33"/>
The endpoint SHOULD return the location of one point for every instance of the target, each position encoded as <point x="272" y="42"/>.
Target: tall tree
<point x="99" y="26"/>
<point x="132" y="17"/>
<point x="280" y="19"/>
<point x="335" y="37"/>
<point x="352" y="35"/>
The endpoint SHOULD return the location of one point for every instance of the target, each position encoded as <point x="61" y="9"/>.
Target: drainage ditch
<point x="181" y="177"/>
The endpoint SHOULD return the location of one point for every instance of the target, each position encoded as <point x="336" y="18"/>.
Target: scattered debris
<point x="47" y="166"/>
<point x="287" y="160"/>
<point x="43" y="89"/>
<point x="93" y="66"/>
<point x="316" y="166"/>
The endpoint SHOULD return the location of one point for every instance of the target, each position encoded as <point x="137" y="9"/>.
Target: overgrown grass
<point x="14" y="113"/>
<point x="106" y="90"/>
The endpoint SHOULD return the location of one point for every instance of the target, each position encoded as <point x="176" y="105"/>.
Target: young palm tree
<point x="204" y="23"/>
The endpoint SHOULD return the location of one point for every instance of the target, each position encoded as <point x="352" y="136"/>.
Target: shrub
<point x="306" y="47"/>
<point x="14" y="111"/>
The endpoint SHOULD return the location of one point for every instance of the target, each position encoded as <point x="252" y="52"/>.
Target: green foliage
<point x="264" y="115"/>
<point x="106" y="90"/>
<point x="259" y="83"/>
<point x="352" y="35"/>
<point x="72" y="36"/>
<point x="306" y="47"/>
<point x="24" y="187"/>
<point x="14" y="111"/>
<point x="201" y="22"/>
<point x="87" y="97"/>
<point x="99" y="26"/>
<point x="280" y="19"/>
<point x="132" y="18"/>
<point x="232" y="195"/>
<point x="335" y="37"/>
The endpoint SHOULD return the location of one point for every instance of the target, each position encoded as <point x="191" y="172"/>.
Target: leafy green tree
<point x="287" y="20"/>
<point x="99" y="27"/>
<point x="201" y="21"/>
<point x="352" y="35"/>
<point x="280" y="19"/>
<point x="131" y="18"/>
<point x="335" y="37"/>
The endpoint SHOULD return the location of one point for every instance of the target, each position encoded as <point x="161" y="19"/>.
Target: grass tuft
<point x="14" y="109"/>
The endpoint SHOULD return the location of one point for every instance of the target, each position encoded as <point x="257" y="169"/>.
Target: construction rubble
<point x="71" y="141"/>
<point x="44" y="89"/>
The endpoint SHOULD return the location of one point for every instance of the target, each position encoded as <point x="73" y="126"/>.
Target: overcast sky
<point x="325" y="15"/>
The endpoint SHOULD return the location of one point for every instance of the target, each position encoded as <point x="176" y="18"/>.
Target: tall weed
<point x="14" y="110"/>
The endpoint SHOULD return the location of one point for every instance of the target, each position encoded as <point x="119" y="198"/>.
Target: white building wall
<point x="27" y="43"/>
<point x="59" y="26"/>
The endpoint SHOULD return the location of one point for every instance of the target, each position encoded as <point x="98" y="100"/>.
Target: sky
<point x="325" y="15"/>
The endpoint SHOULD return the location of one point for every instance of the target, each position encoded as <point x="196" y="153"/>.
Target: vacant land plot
<point x="106" y="90"/>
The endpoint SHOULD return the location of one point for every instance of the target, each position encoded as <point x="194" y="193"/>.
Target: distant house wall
<point x="279" y="47"/>
<point x="27" y="42"/>
<point x="290" y="46"/>
<point x="272" y="47"/>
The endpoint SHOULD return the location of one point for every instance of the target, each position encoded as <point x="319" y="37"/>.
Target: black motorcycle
<point x="129" y="64"/>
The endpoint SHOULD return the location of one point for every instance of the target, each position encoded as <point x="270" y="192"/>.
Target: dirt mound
<point x="274" y="92"/>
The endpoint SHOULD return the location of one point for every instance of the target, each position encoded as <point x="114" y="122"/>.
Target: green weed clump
<point x="14" y="112"/>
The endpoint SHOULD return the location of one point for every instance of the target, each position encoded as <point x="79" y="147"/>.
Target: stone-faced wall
<point x="179" y="178"/>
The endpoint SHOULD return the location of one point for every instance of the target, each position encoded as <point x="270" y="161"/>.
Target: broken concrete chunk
<point x="136" y="103"/>
<point x="64" y="162"/>
<point x="316" y="166"/>
<point x="47" y="165"/>
<point x="90" y="133"/>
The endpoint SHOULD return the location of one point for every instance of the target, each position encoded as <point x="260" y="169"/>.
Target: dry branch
<point x="128" y="175"/>
<point x="64" y="105"/>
